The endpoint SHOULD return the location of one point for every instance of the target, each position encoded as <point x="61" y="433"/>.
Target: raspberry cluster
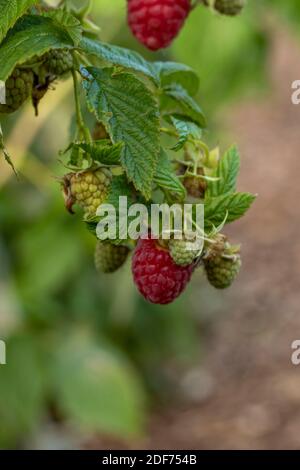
<point x="161" y="274"/>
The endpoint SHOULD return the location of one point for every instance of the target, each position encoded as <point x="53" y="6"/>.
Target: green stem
<point x="85" y="10"/>
<point x="64" y="4"/>
<point x="203" y="147"/>
<point x="168" y="131"/>
<point x="83" y="130"/>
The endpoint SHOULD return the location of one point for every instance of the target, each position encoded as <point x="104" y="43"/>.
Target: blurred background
<point x="89" y="363"/>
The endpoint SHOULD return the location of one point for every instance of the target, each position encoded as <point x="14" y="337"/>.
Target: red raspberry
<point x="155" y="23"/>
<point x="156" y="275"/>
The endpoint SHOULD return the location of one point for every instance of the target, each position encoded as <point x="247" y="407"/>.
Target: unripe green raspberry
<point x="228" y="7"/>
<point x="87" y="189"/>
<point x="109" y="258"/>
<point x="18" y="88"/>
<point x="181" y="252"/>
<point x="221" y="272"/>
<point x="58" y="62"/>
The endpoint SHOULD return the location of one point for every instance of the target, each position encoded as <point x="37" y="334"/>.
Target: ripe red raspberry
<point x="156" y="275"/>
<point x="155" y="23"/>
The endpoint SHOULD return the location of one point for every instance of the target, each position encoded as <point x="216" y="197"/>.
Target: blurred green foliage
<point x="87" y="349"/>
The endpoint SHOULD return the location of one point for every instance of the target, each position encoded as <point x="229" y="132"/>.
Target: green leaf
<point x="119" y="187"/>
<point x="32" y="35"/>
<point x="97" y="389"/>
<point x="130" y="114"/>
<point x="11" y="11"/>
<point x="165" y="177"/>
<point x="233" y="205"/>
<point x="102" y="151"/>
<point x="185" y="130"/>
<point x="227" y="172"/>
<point x="76" y="156"/>
<point x="186" y="103"/>
<point x="69" y="22"/>
<point x="174" y="73"/>
<point x="21" y="390"/>
<point x="119" y="56"/>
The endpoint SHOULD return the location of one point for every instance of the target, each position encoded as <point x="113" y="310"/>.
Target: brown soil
<point x="254" y="397"/>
